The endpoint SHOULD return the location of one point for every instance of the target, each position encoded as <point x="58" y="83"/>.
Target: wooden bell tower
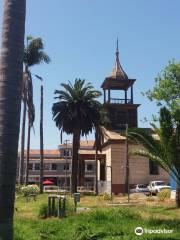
<point x="121" y="110"/>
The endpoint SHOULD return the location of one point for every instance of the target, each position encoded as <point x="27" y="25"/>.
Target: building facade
<point x="57" y="165"/>
<point x="141" y="170"/>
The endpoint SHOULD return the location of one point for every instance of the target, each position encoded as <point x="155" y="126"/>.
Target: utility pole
<point x="41" y="143"/>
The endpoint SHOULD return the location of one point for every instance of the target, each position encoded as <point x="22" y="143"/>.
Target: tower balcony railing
<point x="120" y="100"/>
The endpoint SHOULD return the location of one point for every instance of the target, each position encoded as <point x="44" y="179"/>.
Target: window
<point x="89" y="167"/>
<point x="46" y="166"/>
<point x="102" y="172"/>
<point x="153" y="168"/>
<point x="66" y="166"/>
<point x="89" y="183"/>
<point x="37" y="166"/>
<point x="30" y="166"/>
<point x="66" y="152"/>
<point x="54" y="166"/>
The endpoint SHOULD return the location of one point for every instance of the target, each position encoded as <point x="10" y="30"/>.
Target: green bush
<point x="164" y="194"/>
<point x="43" y="209"/>
<point x="30" y="189"/>
<point x="18" y="188"/>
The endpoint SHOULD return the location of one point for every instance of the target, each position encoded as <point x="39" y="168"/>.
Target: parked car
<point x="157" y="186"/>
<point x="140" y="188"/>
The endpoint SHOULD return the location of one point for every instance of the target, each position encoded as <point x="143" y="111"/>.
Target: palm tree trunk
<point x="21" y="163"/>
<point x="27" y="156"/>
<point x="11" y="76"/>
<point x="76" y="143"/>
<point x="178" y="196"/>
<point x="81" y="172"/>
<point x="41" y="142"/>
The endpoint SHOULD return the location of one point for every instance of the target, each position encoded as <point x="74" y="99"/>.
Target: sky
<point x="80" y="38"/>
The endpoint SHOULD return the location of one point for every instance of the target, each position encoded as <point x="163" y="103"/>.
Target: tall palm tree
<point x="77" y="112"/>
<point x="31" y="118"/>
<point x="33" y="55"/>
<point x="164" y="151"/>
<point x="21" y="160"/>
<point x="11" y="76"/>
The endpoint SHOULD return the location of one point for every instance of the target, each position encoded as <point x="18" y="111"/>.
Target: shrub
<point x="18" y="188"/>
<point x="30" y="189"/>
<point x="104" y="196"/>
<point x="43" y="209"/>
<point x="164" y="194"/>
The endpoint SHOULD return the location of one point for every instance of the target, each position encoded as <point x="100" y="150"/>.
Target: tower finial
<point x="117" y="51"/>
<point x="117" y="45"/>
<point x="117" y="70"/>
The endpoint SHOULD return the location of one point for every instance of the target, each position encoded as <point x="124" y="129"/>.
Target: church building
<point x="123" y="114"/>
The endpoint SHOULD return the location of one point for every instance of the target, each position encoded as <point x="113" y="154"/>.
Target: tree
<point x="11" y="76"/>
<point x="164" y="151"/>
<point x="77" y="112"/>
<point x="33" y="55"/>
<point x="31" y="118"/>
<point x="167" y="87"/>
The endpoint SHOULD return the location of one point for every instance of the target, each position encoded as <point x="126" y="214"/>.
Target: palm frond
<point x="34" y="54"/>
<point x="77" y="107"/>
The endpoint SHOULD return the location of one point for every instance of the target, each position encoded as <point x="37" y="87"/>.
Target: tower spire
<point x="117" y="46"/>
<point x="117" y="70"/>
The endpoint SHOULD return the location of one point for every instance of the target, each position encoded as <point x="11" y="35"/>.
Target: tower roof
<point x="118" y="70"/>
<point x="118" y="78"/>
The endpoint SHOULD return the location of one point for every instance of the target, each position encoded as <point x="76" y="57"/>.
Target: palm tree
<point x="31" y="118"/>
<point x="33" y="55"/>
<point x="77" y="112"/>
<point x="11" y="76"/>
<point x="21" y="160"/>
<point x="164" y="151"/>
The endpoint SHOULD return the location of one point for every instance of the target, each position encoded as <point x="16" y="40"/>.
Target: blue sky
<point x="80" y="38"/>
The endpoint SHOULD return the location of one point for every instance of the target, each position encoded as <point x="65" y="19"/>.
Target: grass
<point x="101" y="222"/>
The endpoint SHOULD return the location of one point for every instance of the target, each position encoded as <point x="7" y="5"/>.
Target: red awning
<point x="48" y="182"/>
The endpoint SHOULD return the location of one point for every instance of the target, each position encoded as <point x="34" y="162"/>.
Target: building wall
<point x="107" y="151"/>
<point x="138" y="167"/>
<point x="58" y="176"/>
